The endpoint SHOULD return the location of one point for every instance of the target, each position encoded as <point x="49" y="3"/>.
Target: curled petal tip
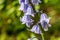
<point x="49" y="25"/>
<point x="46" y="29"/>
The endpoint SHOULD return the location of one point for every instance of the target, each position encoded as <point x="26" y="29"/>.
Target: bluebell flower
<point x="36" y="29"/>
<point x="35" y="2"/>
<point x="44" y="20"/>
<point x="23" y="7"/>
<point x="26" y="20"/>
<point x="21" y="1"/>
<point x="30" y="11"/>
<point x="26" y="1"/>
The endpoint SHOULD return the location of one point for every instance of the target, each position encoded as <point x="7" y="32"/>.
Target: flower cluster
<point x="26" y="7"/>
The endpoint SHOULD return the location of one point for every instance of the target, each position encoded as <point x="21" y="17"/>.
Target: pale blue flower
<point x="21" y="1"/>
<point x="44" y="20"/>
<point x="23" y="7"/>
<point x="36" y="29"/>
<point x="26" y="1"/>
<point x="30" y="11"/>
<point x="35" y="2"/>
<point x="26" y="20"/>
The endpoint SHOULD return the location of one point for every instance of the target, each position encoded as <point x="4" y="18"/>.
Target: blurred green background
<point x="12" y="29"/>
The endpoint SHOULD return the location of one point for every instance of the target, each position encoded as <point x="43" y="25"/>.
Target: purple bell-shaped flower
<point x="26" y="20"/>
<point x="23" y="7"/>
<point x="44" y="20"/>
<point x="36" y="29"/>
<point x="34" y="2"/>
<point x="30" y="11"/>
<point x="21" y="1"/>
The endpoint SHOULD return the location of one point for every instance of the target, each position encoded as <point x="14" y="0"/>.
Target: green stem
<point x="42" y="35"/>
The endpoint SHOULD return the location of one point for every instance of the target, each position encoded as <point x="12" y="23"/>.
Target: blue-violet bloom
<point x="30" y="11"/>
<point x="44" y="20"/>
<point x="21" y="1"/>
<point x="26" y="20"/>
<point x="23" y="7"/>
<point x="34" y="2"/>
<point x="36" y="29"/>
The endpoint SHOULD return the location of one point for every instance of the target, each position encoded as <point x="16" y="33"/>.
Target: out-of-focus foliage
<point x="11" y="27"/>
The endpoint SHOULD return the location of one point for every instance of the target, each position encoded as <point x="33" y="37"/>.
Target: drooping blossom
<point x="36" y="29"/>
<point x="23" y="7"/>
<point x="26" y="1"/>
<point x="23" y="1"/>
<point x="30" y="11"/>
<point x="44" y="20"/>
<point x="34" y="2"/>
<point x="26" y="20"/>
